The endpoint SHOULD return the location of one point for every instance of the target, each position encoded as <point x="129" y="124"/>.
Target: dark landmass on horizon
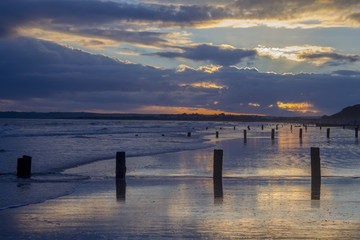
<point x="348" y="116"/>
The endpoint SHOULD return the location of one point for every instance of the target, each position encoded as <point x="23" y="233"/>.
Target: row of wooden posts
<point x="218" y="169"/>
<point x="24" y="169"/>
<point x="273" y="132"/>
<point x="24" y="163"/>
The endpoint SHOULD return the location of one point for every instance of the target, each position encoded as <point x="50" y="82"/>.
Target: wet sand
<point x="157" y="202"/>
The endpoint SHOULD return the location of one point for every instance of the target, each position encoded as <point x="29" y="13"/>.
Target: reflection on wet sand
<point x="183" y="207"/>
<point x="120" y="190"/>
<point x="218" y="191"/>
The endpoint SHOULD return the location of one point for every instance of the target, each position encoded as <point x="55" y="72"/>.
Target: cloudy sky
<point x="268" y="57"/>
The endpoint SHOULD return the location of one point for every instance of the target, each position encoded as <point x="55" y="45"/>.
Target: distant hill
<point x="349" y="115"/>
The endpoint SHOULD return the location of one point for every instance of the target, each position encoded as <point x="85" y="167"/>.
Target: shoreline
<point x="172" y="195"/>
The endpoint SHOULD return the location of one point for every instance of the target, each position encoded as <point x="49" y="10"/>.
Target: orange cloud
<point x="202" y="85"/>
<point x="302" y="107"/>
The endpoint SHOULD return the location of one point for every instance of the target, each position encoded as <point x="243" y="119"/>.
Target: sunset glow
<point x="118" y="56"/>
<point x="302" y="107"/>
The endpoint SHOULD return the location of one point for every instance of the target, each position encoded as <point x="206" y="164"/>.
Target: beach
<point x="265" y="192"/>
<point x="182" y="205"/>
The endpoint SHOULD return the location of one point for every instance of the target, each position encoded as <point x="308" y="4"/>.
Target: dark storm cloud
<point x="41" y="75"/>
<point x="214" y="54"/>
<point x="331" y="58"/>
<point x="347" y="73"/>
<point x="94" y="13"/>
<point x="288" y="9"/>
<point x="355" y="16"/>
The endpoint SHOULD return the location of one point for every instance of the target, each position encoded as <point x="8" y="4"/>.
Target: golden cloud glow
<point x="302" y="107"/>
<point x="254" y="104"/>
<point x="294" y="53"/>
<point x="208" y="68"/>
<point x="202" y="85"/>
<point x="53" y="36"/>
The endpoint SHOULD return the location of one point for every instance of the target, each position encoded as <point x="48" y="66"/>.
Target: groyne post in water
<point x="217" y="134"/>
<point x="262" y="127"/>
<point x="218" y="162"/>
<point x="300" y="133"/>
<point x="245" y="135"/>
<point x="328" y="133"/>
<point x="189" y="134"/>
<point x="120" y="166"/>
<point x="315" y="173"/>
<point x="24" y="166"/>
<point x="357" y="132"/>
<point x="272" y="134"/>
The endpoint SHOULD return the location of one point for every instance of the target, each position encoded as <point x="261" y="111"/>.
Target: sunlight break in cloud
<point x="291" y="52"/>
<point x="254" y="104"/>
<point x="208" y="68"/>
<point x="202" y="85"/>
<point x="316" y="55"/>
<point x="302" y="107"/>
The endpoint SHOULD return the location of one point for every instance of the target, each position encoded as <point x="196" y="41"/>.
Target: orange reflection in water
<point x="174" y="208"/>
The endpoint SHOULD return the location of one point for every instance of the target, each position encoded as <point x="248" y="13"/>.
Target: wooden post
<point x="24" y="166"/>
<point x="328" y="133"/>
<point x="244" y="135"/>
<point x="120" y="165"/>
<point x="234" y="127"/>
<point x="248" y="127"/>
<point x="262" y="127"/>
<point x="356" y="132"/>
<point x="189" y="134"/>
<point x="272" y="133"/>
<point x="315" y="173"/>
<point x="291" y="128"/>
<point x="218" y="162"/>
<point x="300" y="133"/>
<point x="277" y="126"/>
<point x="217" y="134"/>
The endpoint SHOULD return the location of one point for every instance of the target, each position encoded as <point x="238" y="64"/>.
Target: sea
<point x="57" y="146"/>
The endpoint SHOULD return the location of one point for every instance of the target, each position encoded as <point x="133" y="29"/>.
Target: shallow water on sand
<point x="182" y="207"/>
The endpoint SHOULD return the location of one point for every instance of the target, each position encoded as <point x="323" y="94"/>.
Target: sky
<point x="264" y="57"/>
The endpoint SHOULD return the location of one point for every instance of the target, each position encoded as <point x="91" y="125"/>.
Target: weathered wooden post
<point x="217" y="134"/>
<point x="291" y="128"/>
<point x="272" y="134"/>
<point x="120" y="166"/>
<point x="189" y="134"/>
<point x="262" y="127"/>
<point x="356" y="132"/>
<point x="218" y="162"/>
<point x="24" y="166"/>
<point x="245" y="135"/>
<point x="328" y="133"/>
<point x="277" y="126"/>
<point x="300" y="133"/>
<point x="315" y="173"/>
<point x="248" y="127"/>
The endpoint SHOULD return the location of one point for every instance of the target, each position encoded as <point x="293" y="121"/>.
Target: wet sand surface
<point x="187" y="203"/>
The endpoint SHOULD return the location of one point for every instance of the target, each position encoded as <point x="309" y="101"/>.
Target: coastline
<point x="158" y="202"/>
